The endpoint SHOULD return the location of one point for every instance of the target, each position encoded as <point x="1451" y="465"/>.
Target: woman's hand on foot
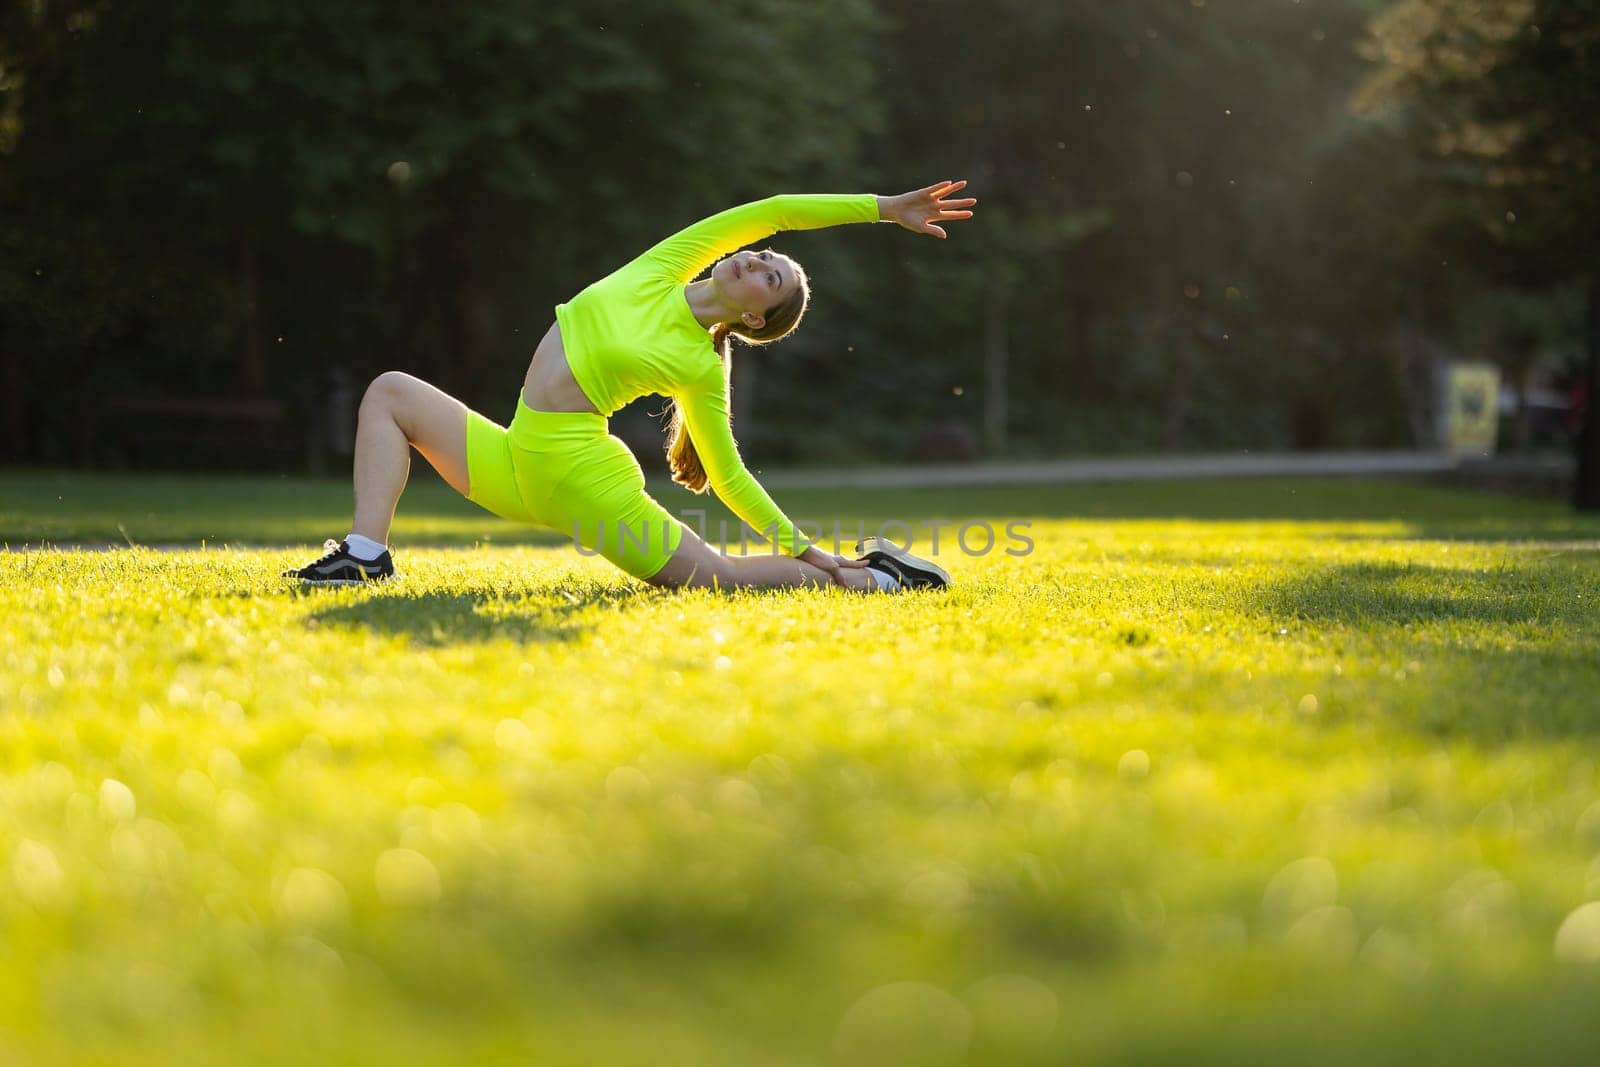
<point x="835" y="566"/>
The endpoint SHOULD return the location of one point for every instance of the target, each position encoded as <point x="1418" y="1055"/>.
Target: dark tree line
<point x="1500" y="102"/>
<point x="1189" y="236"/>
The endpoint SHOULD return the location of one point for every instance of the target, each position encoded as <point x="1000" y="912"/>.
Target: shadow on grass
<point x="439" y="619"/>
<point x="1562" y="591"/>
<point x="435" y="620"/>
<point x="1493" y="655"/>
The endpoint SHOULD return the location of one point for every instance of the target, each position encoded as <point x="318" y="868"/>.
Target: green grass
<point x="1220" y="772"/>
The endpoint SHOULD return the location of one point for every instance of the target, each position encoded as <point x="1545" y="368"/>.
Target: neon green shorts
<point x="564" y="470"/>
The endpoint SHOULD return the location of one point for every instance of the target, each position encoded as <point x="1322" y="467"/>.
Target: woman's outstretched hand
<point x="921" y="210"/>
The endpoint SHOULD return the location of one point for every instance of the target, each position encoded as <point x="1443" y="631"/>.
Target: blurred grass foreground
<point x="1265" y="771"/>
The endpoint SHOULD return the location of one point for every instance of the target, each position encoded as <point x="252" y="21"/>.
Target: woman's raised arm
<point x="691" y="250"/>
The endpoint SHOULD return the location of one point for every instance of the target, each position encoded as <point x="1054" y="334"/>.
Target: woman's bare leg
<point x="697" y="565"/>
<point x="399" y="413"/>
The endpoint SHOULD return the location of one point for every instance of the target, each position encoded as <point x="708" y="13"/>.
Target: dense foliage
<point x="1188" y="238"/>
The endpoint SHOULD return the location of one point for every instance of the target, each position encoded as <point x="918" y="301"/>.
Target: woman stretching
<point x="648" y="328"/>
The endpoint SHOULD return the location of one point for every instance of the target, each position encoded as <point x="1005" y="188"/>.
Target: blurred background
<point x="1204" y="224"/>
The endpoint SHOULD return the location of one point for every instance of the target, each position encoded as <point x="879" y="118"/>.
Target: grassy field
<point x="1219" y="772"/>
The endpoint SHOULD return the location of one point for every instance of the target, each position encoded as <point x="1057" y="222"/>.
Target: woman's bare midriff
<point x="550" y="385"/>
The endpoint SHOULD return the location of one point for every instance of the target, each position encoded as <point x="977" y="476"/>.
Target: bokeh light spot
<point x="904" y="1023"/>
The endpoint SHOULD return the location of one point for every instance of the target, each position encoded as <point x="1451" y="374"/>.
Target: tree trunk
<point x="16" y="412"/>
<point x="1180" y="389"/>
<point x="1417" y="377"/>
<point x="1522" y="429"/>
<point x="252" y="360"/>
<point x="1088" y="383"/>
<point x="471" y="319"/>
<point x="996" y="357"/>
<point x="1586" y="493"/>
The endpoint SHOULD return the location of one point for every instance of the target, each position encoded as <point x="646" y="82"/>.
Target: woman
<point x="648" y="328"/>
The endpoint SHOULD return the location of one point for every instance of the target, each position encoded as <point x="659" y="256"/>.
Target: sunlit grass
<point x="1182" y="789"/>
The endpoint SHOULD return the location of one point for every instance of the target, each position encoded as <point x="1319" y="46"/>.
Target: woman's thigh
<point x="491" y="470"/>
<point x="594" y="492"/>
<point x="433" y="421"/>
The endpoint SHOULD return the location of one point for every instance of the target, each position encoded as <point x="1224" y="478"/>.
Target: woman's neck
<point x="706" y="304"/>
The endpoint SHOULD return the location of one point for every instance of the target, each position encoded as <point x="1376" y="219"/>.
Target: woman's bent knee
<point x="386" y="388"/>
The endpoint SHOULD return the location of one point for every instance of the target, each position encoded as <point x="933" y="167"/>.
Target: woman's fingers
<point x="938" y="189"/>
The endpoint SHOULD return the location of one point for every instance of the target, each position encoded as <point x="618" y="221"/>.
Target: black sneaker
<point x="914" y="572"/>
<point x="339" y="567"/>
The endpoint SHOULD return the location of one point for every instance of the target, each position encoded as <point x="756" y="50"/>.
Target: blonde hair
<point x="687" y="470"/>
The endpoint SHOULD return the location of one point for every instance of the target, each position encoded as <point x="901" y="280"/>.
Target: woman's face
<point x="755" y="282"/>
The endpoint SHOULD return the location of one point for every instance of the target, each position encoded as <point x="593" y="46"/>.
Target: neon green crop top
<point x="632" y="333"/>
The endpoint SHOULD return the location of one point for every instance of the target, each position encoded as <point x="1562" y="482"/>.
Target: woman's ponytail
<point x="687" y="469"/>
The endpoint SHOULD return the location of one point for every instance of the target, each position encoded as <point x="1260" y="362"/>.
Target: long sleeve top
<point x="632" y="333"/>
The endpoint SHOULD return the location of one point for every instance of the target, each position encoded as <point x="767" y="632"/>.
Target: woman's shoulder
<point x="631" y="278"/>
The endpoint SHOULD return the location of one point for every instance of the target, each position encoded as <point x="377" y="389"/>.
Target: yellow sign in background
<point x="1472" y="409"/>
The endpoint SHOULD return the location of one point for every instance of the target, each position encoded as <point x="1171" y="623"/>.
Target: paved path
<point x="1117" y="469"/>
